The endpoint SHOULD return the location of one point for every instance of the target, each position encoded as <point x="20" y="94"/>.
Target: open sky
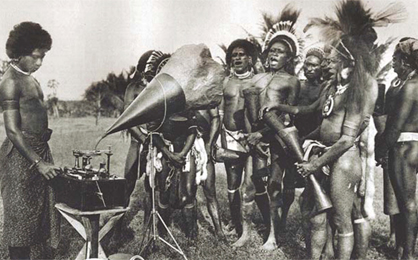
<point x="94" y="37"/>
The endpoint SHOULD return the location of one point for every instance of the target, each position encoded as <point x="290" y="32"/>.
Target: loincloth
<point x="235" y="140"/>
<point x="198" y="151"/>
<point x="408" y="137"/>
<point x="28" y="200"/>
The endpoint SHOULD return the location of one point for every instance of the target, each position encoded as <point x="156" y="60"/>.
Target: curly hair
<point x="25" y="38"/>
<point x="407" y="49"/>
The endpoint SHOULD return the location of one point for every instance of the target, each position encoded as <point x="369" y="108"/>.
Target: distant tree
<point x="3" y="67"/>
<point x="96" y="93"/>
<point x="117" y="86"/>
<point x="52" y="98"/>
<point x="107" y="96"/>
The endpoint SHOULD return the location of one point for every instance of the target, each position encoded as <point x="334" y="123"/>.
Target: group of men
<point x="267" y="112"/>
<point x="331" y="109"/>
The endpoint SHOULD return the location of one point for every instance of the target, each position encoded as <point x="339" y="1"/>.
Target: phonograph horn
<point x="191" y="79"/>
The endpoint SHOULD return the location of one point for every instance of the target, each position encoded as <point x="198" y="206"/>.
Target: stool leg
<point x="92" y="230"/>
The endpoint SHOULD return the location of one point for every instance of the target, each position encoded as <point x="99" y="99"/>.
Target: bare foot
<point x="392" y="241"/>
<point x="242" y="240"/>
<point x="399" y="253"/>
<point x="270" y="245"/>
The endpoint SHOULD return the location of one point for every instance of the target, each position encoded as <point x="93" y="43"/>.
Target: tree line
<point x="101" y="98"/>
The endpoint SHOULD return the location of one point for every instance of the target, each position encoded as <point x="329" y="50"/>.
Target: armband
<point x="350" y="129"/>
<point x="35" y="163"/>
<point x="10" y="104"/>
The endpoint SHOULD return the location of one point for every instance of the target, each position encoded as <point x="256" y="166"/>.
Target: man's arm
<point x="189" y="141"/>
<point x="214" y="129"/>
<point x="350" y="130"/>
<point x="10" y="95"/>
<point x="298" y="110"/>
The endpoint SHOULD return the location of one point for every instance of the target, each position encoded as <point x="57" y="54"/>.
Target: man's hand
<point x="262" y="149"/>
<point x="306" y="168"/>
<point x="48" y="170"/>
<point x="209" y="151"/>
<point x="261" y="112"/>
<point x="254" y="138"/>
<point x="176" y="159"/>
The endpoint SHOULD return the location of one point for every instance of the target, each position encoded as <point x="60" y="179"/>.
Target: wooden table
<point x="88" y="228"/>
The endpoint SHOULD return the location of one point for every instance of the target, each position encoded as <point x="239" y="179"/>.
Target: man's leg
<point x="234" y="177"/>
<point x="188" y="188"/>
<point x="261" y="170"/>
<point x="248" y="194"/>
<point x="314" y="225"/>
<point x="362" y="231"/>
<point x="288" y="193"/>
<point x="209" y="190"/>
<point x="275" y="189"/>
<point x="404" y="184"/>
<point x="163" y="204"/>
<point x="391" y="208"/>
<point x="345" y="176"/>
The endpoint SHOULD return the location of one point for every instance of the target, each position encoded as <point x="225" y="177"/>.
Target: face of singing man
<point x="240" y="60"/>
<point x="278" y="56"/>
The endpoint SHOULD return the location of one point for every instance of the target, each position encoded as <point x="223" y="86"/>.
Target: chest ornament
<point x="329" y="102"/>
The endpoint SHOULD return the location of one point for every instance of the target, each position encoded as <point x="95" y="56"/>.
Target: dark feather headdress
<point x="282" y="28"/>
<point x="353" y="36"/>
<point x="155" y="63"/>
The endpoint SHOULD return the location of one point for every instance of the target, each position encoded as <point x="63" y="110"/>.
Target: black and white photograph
<point x="208" y="129"/>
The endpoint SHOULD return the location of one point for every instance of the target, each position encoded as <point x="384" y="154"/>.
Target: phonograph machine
<point x="89" y="184"/>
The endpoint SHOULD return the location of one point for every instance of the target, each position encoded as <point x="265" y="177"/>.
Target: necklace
<point x="245" y="75"/>
<point x="329" y="103"/>
<point x="400" y="83"/>
<point x="19" y="70"/>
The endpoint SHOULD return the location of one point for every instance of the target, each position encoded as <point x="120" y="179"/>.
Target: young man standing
<point x="26" y="162"/>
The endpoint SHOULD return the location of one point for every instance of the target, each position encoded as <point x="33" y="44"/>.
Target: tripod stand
<point x="151" y="225"/>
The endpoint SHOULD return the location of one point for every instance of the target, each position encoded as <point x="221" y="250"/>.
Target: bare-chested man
<point x="310" y="90"/>
<point x="25" y="158"/>
<point x="400" y="137"/>
<point x="241" y="55"/>
<point x="279" y="85"/>
<point x="208" y="122"/>
<point x="349" y="102"/>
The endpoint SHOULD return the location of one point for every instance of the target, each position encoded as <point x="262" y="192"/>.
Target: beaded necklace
<point x="19" y="70"/>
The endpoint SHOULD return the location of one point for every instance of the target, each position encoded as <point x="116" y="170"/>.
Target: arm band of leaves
<point x="10" y="104"/>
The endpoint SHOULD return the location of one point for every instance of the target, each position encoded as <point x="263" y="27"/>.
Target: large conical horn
<point x="191" y="79"/>
<point x="322" y="200"/>
<point x="161" y="97"/>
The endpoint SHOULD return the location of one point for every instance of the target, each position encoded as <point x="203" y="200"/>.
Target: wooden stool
<point x="89" y="228"/>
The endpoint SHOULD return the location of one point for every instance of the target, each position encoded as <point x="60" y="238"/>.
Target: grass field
<point x="81" y="133"/>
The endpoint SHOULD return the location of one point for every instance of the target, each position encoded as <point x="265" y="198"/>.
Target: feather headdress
<point x="353" y="36"/>
<point x="353" y="30"/>
<point x="316" y="49"/>
<point x="155" y="62"/>
<point x="282" y="28"/>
